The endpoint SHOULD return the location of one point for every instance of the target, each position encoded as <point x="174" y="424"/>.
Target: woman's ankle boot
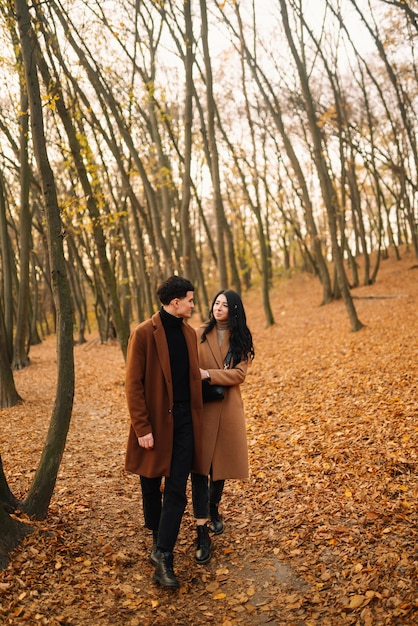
<point x="203" y="545"/>
<point x="215" y="524"/>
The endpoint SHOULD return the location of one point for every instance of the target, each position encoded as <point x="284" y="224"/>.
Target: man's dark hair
<point x="174" y="287"/>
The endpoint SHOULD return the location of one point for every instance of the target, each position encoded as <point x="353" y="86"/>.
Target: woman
<point x="225" y="349"/>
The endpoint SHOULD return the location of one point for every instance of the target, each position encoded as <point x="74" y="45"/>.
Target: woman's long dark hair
<point x="241" y="343"/>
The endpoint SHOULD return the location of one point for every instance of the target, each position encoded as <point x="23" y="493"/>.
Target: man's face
<point x="184" y="306"/>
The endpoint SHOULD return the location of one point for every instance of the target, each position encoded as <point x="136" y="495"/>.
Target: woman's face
<point x="220" y="308"/>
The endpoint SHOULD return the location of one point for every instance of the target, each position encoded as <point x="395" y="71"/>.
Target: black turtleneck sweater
<point x="179" y="356"/>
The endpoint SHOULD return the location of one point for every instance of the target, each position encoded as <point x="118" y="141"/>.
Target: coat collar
<point x="162" y="349"/>
<point x="219" y="352"/>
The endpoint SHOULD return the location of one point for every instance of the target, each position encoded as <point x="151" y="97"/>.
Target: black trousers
<point x="205" y="493"/>
<point x="164" y="508"/>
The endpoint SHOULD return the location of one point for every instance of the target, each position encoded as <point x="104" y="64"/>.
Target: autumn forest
<point x="269" y="147"/>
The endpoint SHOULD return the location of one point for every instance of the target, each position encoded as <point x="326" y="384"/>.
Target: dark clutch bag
<point x="212" y="393"/>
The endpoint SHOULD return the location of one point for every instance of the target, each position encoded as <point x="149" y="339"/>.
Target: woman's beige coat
<point x="224" y="431"/>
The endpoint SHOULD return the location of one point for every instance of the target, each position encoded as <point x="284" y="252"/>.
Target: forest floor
<point x="325" y="530"/>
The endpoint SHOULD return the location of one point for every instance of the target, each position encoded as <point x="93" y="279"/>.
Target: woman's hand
<point x="204" y="374"/>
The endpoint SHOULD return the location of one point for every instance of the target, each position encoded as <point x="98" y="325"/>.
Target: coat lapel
<point x="162" y="349"/>
<point x="218" y="352"/>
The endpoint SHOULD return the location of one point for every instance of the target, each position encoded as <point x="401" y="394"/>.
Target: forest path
<point x="323" y="532"/>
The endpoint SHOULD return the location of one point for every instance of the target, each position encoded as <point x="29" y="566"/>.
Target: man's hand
<point x="147" y="441"/>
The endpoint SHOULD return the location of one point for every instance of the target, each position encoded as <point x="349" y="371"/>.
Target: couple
<point x="171" y="434"/>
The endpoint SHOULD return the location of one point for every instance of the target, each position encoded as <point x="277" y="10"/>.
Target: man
<point x="164" y="397"/>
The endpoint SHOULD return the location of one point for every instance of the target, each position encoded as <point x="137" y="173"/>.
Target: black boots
<point x="163" y="561"/>
<point x="203" y="545"/>
<point x="215" y="524"/>
<point x="153" y="555"/>
<point x="164" y="574"/>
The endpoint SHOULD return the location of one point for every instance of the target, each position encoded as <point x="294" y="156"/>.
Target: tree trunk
<point x="328" y="192"/>
<point x="188" y="118"/>
<point x="7" y="499"/>
<point x="6" y="262"/>
<point x="79" y="301"/>
<point x="256" y="206"/>
<point x="273" y="105"/>
<point x="12" y="532"/>
<point x="40" y="493"/>
<point x="155" y="232"/>
<point x="214" y="159"/>
<point x="92" y="205"/>
<point x="20" y="352"/>
<point x="8" y="392"/>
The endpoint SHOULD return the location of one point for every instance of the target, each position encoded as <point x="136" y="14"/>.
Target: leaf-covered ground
<point x="325" y="530"/>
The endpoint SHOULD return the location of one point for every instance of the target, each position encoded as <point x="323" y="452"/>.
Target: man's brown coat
<point x="149" y="396"/>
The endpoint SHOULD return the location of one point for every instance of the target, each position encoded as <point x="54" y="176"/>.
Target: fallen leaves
<point x="323" y="532"/>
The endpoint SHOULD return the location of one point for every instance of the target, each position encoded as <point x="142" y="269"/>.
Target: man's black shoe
<point x="164" y="574"/>
<point x="203" y="545"/>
